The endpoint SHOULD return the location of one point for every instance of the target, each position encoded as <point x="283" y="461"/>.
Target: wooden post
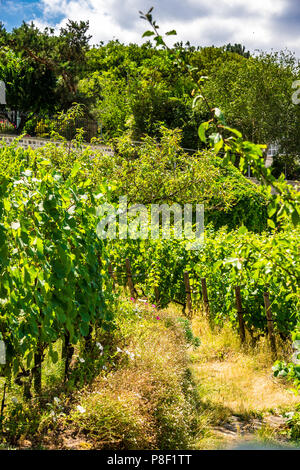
<point x="270" y="323"/>
<point x="2" y="405"/>
<point x="238" y="301"/>
<point x="188" y="293"/>
<point x="37" y="372"/>
<point x="88" y="339"/>
<point x="205" y="296"/>
<point x="129" y="279"/>
<point x="112" y="275"/>
<point x="67" y="353"/>
<point x="37" y="363"/>
<point x="27" y="388"/>
<point x="156" y="292"/>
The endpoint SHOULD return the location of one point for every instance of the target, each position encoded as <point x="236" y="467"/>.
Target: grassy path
<point x="242" y="401"/>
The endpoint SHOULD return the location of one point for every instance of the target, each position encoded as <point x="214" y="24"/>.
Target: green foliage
<point x="189" y="336"/>
<point x="289" y="165"/>
<point x="238" y="49"/>
<point x="50" y="259"/>
<point x="291" y="371"/>
<point x="293" y="421"/>
<point x="54" y="284"/>
<point x="143" y="86"/>
<point x="30" y="87"/>
<point x="164" y="173"/>
<point x="285" y="202"/>
<point x="140" y="393"/>
<point x="262" y="112"/>
<point x="41" y="69"/>
<point x="107" y="99"/>
<point x="255" y="262"/>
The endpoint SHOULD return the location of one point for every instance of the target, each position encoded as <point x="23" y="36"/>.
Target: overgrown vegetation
<point x="84" y="368"/>
<point x="131" y="390"/>
<point x="137" y="88"/>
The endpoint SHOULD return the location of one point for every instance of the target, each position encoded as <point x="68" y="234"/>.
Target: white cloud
<point x="217" y="22"/>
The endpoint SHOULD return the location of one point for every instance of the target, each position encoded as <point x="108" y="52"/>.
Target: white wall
<point x="35" y="142"/>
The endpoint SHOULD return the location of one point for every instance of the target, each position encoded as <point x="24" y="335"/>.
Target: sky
<point x="257" y="24"/>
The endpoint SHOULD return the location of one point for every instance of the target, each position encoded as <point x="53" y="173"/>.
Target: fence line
<point x="188" y="304"/>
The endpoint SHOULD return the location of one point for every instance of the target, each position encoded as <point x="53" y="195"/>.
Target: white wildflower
<point x="81" y="409"/>
<point x="130" y="354"/>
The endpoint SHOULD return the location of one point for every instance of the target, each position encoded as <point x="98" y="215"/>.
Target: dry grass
<point x="234" y="380"/>
<point x="238" y="378"/>
<point x="136" y="394"/>
<point x="146" y="402"/>
<point x="158" y="393"/>
<point x="244" y="392"/>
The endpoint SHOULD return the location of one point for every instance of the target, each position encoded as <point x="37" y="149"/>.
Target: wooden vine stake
<point x="88" y="339"/>
<point x="238" y="301"/>
<point x="37" y="370"/>
<point x="205" y="296"/>
<point x="67" y="354"/>
<point x="188" y="294"/>
<point x="3" y="405"/>
<point x="156" y="292"/>
<point x="129" y="279"/>
<point x="112" y="275"/>
<point x="270" y="324"/>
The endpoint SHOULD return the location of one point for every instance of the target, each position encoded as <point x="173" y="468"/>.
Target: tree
<point x="41" y="68"/>
<point x="238" y="49"/>
<point x="30" y="87"/>
<point x="255" y="96"/>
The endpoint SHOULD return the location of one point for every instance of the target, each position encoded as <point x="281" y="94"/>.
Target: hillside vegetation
<point x="135" y="341"/>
